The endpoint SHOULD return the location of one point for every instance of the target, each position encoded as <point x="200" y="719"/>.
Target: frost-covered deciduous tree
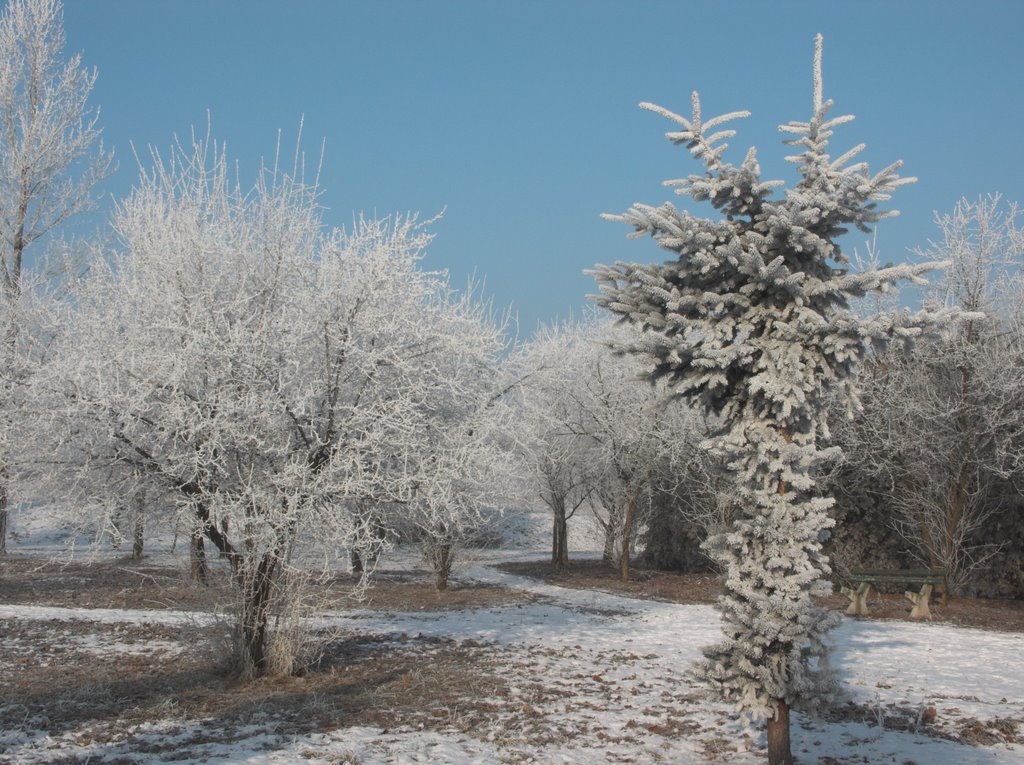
<point x="50" y="162"/>
<point x="562" y="473"/>
<point x="464" y="460"/>
<point x="634" y="446"/>
<point x="750" y="318"/>
<point x="699" y="506"/>
<point x="943" y="424"/>
<point x="600" y="436"/>
<point x="268" y="378"/>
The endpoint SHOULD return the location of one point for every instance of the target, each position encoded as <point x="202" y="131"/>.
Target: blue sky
<point x="520" y="117"/>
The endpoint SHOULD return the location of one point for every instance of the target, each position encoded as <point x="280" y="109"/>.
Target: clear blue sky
<point x="520" y="117"/>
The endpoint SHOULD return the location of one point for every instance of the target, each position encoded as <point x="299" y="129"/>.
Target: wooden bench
<point x="927" y="578"/>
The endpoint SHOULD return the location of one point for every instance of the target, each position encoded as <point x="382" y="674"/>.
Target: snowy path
<point x="603" y="678"/>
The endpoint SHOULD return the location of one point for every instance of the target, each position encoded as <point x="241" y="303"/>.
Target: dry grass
<point x="129" y="584"/>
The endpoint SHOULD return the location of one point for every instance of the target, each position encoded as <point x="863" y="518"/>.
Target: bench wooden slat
<point x="924" y="576"/>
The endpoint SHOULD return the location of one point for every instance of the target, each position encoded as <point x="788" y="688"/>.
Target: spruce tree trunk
<point x="779" y="752"/>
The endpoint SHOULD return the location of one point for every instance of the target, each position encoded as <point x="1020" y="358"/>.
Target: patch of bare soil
<point x="982" y="613"/>
<point x="63" y="675"/>
<point x="673" y="587"/>
<point x="122" y="583"/>
<point x="646" y="584"/>
<point x="405" y="590"/>
<point x="926" y="721"/>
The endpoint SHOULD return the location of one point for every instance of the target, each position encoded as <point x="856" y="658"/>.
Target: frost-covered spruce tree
<point x="751" y="319"/>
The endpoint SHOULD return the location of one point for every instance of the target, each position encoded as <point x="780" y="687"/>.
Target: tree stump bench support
<point x="920" y="601"/>
<point x="858" y="599"/>
<point x="866" y="580"/>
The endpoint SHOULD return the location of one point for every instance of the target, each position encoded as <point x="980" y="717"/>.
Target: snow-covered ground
<point x="591" y="678"/>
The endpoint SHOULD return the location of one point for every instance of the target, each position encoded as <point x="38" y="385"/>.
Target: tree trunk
<point x="138" y="539"/>
<point x="554" y="537"/>
<point x="138" y="528"/>
<point x="12" y="294"/>
<point x="364" y="556"/>
<point x="627" y="533"/>
<point x="563" y="544"/>
<point x="611" y="536"/>
<point x="779" y="752"/>
<point x="3" y="522"/>
<point x="4" y="497"/>
<point x="443" y="565"/>
<point x="778" y="736"/>
<point x="256" y="597"/>
<point x="559" y="536"/>
<point x="4" y="472"/>
<point x="197" y="556"/>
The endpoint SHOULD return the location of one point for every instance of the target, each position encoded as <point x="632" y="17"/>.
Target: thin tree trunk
<point x="779" y="752"/>
<point x="627" y="533"/>
<point x="138" y="535"/>
<point x="563" y="544"/>
<point x="197" y="556"/>
<point x="5" y="413"/>
<point x="356" y="560"/>
<point x="443" y="566"/>
<point x="559" y="533"/>
<point x="12" y="294"/>
<point x="610" y="534"/>
<point x="3" y="516"/>
<point x="138" y="523"/>
<point x="608" y="554"/>
<point x="256" y="597"/>
<point x="954" y="516"/>
<point x="554" y="537"/>
<point x="957" y="500"/>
